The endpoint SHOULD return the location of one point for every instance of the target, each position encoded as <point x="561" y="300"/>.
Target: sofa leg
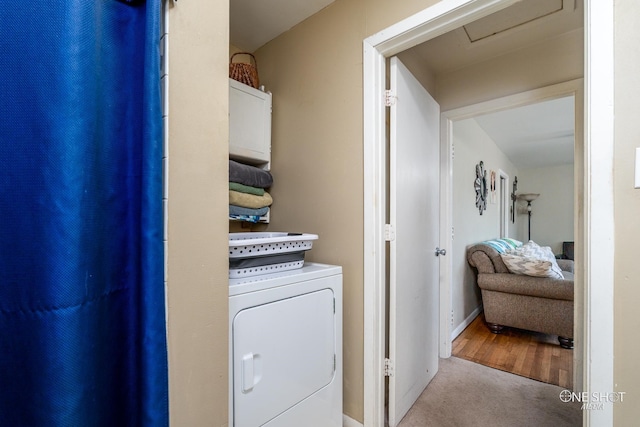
<point x="495" y="328"/>
<point x="566" y="342"/>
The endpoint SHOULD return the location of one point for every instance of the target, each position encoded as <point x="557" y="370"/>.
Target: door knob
<point x="440" y="251"/>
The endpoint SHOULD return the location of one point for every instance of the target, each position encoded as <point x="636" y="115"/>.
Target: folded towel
<point x="239" y="210"/>
<point x="249" y="200"/>
<point x="246" y="189"/>
<point x="246" y="218"/>
<point x="249" y="175"/>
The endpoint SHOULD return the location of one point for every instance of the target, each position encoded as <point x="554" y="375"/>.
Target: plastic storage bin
<point x="269" y="252"/>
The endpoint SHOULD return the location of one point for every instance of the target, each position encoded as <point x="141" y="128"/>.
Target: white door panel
<point x="414" y="214"/>
<point x="283" y="352"/>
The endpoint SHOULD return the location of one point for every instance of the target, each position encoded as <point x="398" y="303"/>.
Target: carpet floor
<point x="464" y="394"/>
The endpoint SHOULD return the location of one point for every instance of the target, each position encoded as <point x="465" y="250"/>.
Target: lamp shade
<point x="529" y="197"/>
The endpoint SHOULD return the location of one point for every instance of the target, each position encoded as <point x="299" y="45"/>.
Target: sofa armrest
<point x="541" y="287"/>
<point x="565" y="265"/>
<point x="485" y="259"/>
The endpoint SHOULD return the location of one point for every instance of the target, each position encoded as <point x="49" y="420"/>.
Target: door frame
<point x="448" y="118"/>
<point x="504" y="199"/>
<point x="596" y="337"/>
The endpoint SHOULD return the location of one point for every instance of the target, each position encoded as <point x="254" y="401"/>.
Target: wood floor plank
<point x="529" y="354"/>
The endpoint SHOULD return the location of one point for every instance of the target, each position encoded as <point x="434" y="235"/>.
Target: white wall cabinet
<point x="249" y="125"/>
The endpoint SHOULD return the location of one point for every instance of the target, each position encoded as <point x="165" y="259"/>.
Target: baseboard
<point x="466" y="322"/>
<point x="350" y="422"/>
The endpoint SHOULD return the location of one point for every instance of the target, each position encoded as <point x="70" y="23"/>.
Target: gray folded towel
<point x="249" y="175"/>
<point x="239" y="210"/>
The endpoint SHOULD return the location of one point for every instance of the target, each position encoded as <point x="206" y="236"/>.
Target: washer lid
<point x="309" y="271"/>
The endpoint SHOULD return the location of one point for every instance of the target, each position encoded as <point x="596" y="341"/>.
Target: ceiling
<point x="253" y="23"/>
<point x="536" y="135"/>
<point x="523" y="24"/>
<point x="532" y="136"/>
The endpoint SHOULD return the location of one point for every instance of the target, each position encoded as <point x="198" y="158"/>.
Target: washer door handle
<point x="247" y="373"/>
<point x="251" y="371"/>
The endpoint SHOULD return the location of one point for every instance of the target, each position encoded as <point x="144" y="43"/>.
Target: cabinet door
<point x="283" y="352"/>
<point x="249" y="123"/>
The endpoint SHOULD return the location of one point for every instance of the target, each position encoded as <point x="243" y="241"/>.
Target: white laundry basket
<point x="268" y="247"/>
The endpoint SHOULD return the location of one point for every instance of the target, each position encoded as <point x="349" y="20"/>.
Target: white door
<point x="414" y="215"/>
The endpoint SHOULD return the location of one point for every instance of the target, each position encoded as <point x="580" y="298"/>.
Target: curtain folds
<point x="82" y="311"/>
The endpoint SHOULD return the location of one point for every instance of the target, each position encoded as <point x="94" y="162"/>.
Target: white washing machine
<point x="285" y="348"/>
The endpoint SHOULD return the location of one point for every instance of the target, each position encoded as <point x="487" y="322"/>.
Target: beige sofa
<point x="533" y="303"/>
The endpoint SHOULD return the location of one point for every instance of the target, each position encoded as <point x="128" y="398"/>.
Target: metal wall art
<point x="480" y="186"/>
<point x="513" y="200"/>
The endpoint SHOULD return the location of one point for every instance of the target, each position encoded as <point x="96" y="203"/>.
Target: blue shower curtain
<point x="82" y="320"/>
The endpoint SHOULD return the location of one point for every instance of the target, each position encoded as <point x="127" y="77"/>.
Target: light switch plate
<point x="637" y="184"/>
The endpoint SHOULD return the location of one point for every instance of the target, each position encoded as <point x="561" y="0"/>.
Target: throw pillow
<point x="532" y="260"/>
<point x="503" y="245"/>
<point x="528" y="266"/>
<point x="532" y="249"/>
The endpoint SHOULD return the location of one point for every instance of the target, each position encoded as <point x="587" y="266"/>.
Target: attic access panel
<point x="513" y="16"/>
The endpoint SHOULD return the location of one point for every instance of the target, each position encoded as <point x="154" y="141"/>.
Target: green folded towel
<point x="235" y="186"/>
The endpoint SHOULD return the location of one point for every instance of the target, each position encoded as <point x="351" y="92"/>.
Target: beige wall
<point x="197" y="270"/>
<point x="627" y="212"/>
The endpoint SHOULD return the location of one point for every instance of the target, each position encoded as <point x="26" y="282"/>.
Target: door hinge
<point x="389" y="233"/>
<point x="388" y="367"/>
<point x="390" y="98"/>
<point x="453" y="151"/>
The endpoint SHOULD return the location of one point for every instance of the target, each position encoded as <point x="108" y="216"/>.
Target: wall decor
<point x="480" y="186"/>
<point x="513" y="200"/>
<point x="492" y="188"/>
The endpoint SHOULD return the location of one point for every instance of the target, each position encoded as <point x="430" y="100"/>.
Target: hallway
<point x="465" y="394"/>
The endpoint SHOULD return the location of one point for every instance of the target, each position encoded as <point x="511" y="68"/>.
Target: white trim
<point x="466" y="322"/>
<point x="598" y="205"/>
<point x="374" y="241"/>
<point x="504" y="202"/>
<point x="349" y="422"/>
<point x="446" y="234"/>
<point x="598" y="198"/>
<point x="517" y="100"/>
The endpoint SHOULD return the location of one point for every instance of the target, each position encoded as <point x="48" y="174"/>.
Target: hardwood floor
<point x="526" y="353"/>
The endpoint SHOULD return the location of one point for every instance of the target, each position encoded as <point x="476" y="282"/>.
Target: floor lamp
<point x="528" y="197"/>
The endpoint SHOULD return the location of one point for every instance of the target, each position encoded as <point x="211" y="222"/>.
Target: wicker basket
<point x="243" y="72"/>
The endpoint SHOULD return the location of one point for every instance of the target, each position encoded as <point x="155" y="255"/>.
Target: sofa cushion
<point x="542" y="287"/>
<point x="531" y="259"/>
<point x="565" y="265"/>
